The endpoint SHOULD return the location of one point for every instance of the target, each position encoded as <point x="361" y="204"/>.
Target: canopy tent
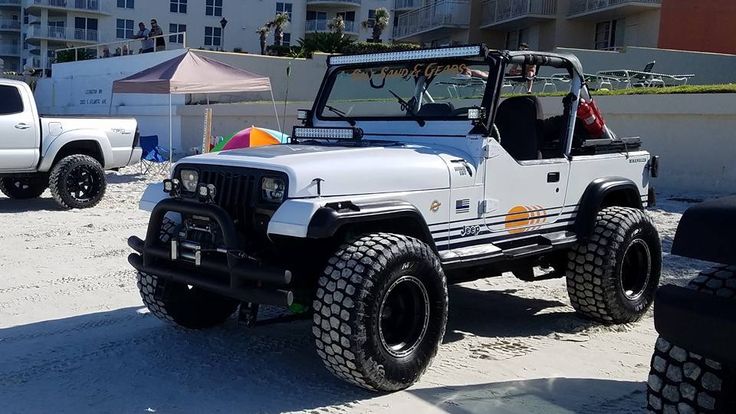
<point x="191" y="73"/>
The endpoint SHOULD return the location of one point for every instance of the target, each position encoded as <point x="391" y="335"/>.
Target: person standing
<point x="143" y="34"/>
<point x="158" y="34"/>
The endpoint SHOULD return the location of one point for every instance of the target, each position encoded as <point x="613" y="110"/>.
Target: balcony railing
<point x="9" y="24"/>
<point x="444" y="13"/>
<point x="323" y="25"/>
<point x="499" y="11"/>
<point x="9" y="50"/>
<point x="354" y="2"/>
<point x="88" y="5"/>
<point x="9" y="2"/>
<point x="587" y="6"/>
<point x="407" y="4"/>
<point x="63" y="33"/>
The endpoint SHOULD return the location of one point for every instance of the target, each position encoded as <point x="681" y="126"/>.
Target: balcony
<point x="323" y="25"/>
<point x="407" y="4"/>
<point x="609" y="9"/>
<point x="11" y="3"/>
<point x="87" y="6"/>
<point x="9" y="50"/>
<point x="510" y="14"/>
<point x="444" y="15"/>
<point x="339" y="3"/>
<point x="61" y="35"/>
<point x="10" y="25"/>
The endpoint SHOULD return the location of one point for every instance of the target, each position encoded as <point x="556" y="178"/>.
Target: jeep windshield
<point x="428" y="90"/>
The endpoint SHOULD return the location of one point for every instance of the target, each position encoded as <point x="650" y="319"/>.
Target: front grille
<point x="237" y="191"/>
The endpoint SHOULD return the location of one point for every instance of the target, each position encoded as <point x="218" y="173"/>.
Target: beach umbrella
<point x="252" y="137"/>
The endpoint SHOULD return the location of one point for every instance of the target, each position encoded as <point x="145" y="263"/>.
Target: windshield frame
<point x="493" y="64"/>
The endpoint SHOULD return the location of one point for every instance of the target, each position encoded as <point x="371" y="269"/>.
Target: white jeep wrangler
<point x="410" y="173"/>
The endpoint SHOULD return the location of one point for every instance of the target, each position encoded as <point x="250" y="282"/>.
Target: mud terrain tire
<point x="77" y="181"/>
<point x="380" y="311"/>
<point x="683" y="382"/>
<point x="177" y="303"/>
<point x="612" y="276"/>
<point x="22" y="188"/>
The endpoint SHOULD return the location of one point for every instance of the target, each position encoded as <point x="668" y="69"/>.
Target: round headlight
<point x="272" y="189"/>
<point x="189" y="180"/>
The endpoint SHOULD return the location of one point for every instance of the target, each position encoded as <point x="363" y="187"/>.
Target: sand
<point x="74" y="336"/>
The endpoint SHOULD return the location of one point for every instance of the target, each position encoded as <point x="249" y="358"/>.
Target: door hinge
<point x="488" y="206"/>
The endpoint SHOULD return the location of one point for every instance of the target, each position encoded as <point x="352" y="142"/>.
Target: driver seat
<point x="520" y="122"/>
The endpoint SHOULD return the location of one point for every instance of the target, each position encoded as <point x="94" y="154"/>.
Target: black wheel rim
<point x="636" y="269"/>
<point x="21" y="184"/>
<point x="404" y="316"/>
<point x="82" y="183"/>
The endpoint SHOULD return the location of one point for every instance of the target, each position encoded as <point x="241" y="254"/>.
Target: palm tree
<point x="263" y="35"/>
<point x="381" y="19"/>
<point x="279" y="23"/>
<point x="337" y="25"/>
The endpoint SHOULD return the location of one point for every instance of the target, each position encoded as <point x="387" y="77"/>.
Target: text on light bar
<point x="447" y="52"/>
<point x="328" y="133"/>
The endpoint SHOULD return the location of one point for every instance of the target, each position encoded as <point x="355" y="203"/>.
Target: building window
<point x="85" y="29"/>
<point x="287" y="39"/>
<point x="126" y="4"/>
<point x="178" y="6"/>
<point x="284" y="8"/>
<point x="515" y="38"/>
<point x="213" y="8"/>
<point x="177" y="28"/>
<point x="124" y="29"/>
<point x="347" y="16"/>
<point x="605" y="35"/>
<point x="212" y="36"/>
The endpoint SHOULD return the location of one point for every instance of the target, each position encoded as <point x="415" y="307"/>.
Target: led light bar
<point x="444" y="52"/>
<point x="326" y="133"/>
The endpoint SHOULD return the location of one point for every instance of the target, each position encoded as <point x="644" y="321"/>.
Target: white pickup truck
<point x="69" y="155"/>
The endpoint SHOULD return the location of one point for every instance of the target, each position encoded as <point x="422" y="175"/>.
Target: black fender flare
<point x="328" y="220"/>
<point x="592" y="201"/>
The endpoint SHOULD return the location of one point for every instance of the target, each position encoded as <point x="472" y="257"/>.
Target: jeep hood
<point x="344" y="170"/>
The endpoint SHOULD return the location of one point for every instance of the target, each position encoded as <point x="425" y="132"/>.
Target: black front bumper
<point x="227" y="272"/>
<point x="699" y="322"/>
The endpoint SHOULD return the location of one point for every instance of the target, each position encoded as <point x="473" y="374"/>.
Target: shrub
<point x="374" y="47"/>
<point x="324" y="42"/>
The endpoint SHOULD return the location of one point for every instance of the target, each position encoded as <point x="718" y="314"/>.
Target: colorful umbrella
<point x="251" y="137"/>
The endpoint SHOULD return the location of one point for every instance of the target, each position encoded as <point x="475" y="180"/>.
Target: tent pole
<point x="276" y="112"/>
<point x="171" y="133"/>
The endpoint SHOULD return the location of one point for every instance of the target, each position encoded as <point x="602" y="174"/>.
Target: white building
<point x="31" y="30"/>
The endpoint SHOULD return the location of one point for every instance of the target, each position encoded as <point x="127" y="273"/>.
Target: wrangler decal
<point x="521" y="218"/>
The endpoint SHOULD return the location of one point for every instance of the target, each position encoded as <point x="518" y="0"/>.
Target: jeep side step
<point x="507" y="249"/>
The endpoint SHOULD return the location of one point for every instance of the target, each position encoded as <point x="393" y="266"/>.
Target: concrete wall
<point x="709" y="68"/>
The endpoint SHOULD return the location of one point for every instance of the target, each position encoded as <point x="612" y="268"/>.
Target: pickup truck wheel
<point x="190" y="307"/>
<point x="23" y="187"/>
<point x="77" y="181"/>
<point x="612" y="276"/>
<point x="380" y="311"/>
<point x="683" y="382"/>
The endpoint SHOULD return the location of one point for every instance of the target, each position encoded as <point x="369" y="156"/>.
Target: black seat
<point x="436" y="109"/>
<point x="520" y="122"/>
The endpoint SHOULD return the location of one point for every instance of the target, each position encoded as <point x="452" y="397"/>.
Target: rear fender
<point x="601" y="193"/>
<point x="55" y="145"/>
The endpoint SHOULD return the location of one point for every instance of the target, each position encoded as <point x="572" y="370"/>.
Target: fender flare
<point x="592" y="201"/>
<point x="55" y="145"/>
<point x="328" y="220"/>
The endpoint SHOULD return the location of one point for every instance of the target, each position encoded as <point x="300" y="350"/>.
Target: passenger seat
<point x="520" y="123"/>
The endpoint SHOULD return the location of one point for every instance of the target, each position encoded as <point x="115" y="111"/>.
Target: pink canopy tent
<point x="191" y="73"/>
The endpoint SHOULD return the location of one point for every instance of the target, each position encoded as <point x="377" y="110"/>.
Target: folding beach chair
<point x="154" y="159"/>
